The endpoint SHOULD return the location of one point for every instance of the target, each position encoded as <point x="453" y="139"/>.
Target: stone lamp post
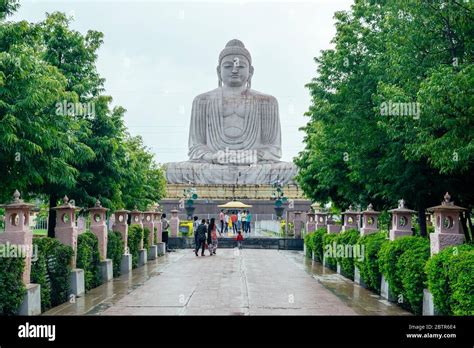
<point x="174" y="223"/>
<point x="136" y="218"/>
<point x="447" y="225"/>
<point x="401" y="221"/>
<point x="321" y="219"/>
<point x="350" y="219"/>
<point x="66" y="232"/>
<point x="159" y="232"/>
<point x="149" y="222"/>
<point x="369" y="221"/>
<point x="17" y="234"/>
<point x="98" y="216"/>
<point x="121" y="226"/>
<point x="310" y="222"/>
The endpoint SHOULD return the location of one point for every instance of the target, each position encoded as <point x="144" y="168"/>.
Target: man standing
<point x="195" y="228"/>
<point x="164" y="228"/>
<point x="249" y="221"/>
<point x="243" y="218"/>
<point x="201" y="235"/>
<point x="221" y="219"/>
<point x="233" y="217"/>
<point x="239" y="221"/>
<point x="226" y="221"/>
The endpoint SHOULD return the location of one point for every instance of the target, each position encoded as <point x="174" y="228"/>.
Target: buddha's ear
<point x="251" y="71"/>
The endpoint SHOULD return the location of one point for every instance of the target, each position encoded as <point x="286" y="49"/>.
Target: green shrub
<point x="329" y="257"/>
<point x="135" y="235"/>
<point x="146" y="242"/>
<point x="12" y="289"/>
<point x="52" y="270"/>
<point x="88" y="259"/>
<point x="348" y="238"/>
<point x="402" y="262"/>
<point x="308" y="242"/>
<point x="115" y="248"/>
<point x="317" y="246"/>
<point x="369" y="266"/>
<point x="451" y="281"/>
<point x="156" y="235"/>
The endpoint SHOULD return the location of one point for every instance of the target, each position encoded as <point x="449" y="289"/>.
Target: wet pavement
<point x="234" y="282"/>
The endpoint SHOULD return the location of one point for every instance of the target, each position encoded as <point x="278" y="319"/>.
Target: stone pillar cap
<point x="370" y="210"/>
<point x="17" y="203"/>
<point x="401" y="208"/>
<point x="446" y="205"/>
<point x="66" y="205"/>
<point x="98" y="207"/>
<point x="350" y="211"/>
<point x="121" y="211"/>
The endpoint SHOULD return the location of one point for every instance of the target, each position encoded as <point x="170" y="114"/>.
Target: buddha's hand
<point x="264" y="157"/>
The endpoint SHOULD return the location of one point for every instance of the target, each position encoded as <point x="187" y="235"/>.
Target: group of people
<point x="205" y="233"/>
<point x="235" y="221"/>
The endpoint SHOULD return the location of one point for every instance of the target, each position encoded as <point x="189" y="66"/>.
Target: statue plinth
<point x="216" y="174"/>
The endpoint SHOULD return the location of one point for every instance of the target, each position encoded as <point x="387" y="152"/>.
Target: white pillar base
<point x="126" y="265"/>
<point x="161" y="248"/>
<point x="77" y="282"/>
<point x="153" y="252"/>
<point x="106" y="270"/>
<point x="31" y="304"/>
<point x="142" y="257"/>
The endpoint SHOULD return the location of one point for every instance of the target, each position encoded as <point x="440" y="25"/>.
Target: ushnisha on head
<point x="235" y="65"/>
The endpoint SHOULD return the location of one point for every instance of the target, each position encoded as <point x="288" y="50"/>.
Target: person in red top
<point x="239" y="239"/>
<point x="234" y="222"/>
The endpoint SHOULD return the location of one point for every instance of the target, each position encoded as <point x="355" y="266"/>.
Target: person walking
<point x="201" y="232"/>
<point x="212" y="237"/>
<point x="249" y="221"/>
<point x="221" y="219"/>
<point x="234" y="222"/>
<point x="239" y="239"/>
<point x="195" y="228"/>
<point x="239" y="221"/>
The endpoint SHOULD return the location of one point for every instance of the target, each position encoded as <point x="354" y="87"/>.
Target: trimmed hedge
<point x="328" y="240"/>
<point x="135" y="235"/>
<point x="12" y="289"/>
<point x="369" y="266"/>
<point x="317" y="242"/>
<point x="52" y="270"/>
<point x="146" y="242"/>
<point x="347" y="238"/>
<point x="115" y="248"/>
<point x="88" y="259"/>
<point x="308" y="242"/>
<point x="402" y="262"/>
<point x="450" y="280"/>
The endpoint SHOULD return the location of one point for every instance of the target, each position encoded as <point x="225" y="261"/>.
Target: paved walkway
<point x="245" y="282"/>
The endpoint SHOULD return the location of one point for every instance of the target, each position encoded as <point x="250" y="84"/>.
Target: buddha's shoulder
<point x="216" y="93"/>
<point x="207" y="95"/>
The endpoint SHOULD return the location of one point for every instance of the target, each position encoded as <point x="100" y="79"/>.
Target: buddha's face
<point x="234" y="70"/>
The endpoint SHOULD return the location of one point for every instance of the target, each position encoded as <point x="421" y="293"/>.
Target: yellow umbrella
<point x="234" y="205"/>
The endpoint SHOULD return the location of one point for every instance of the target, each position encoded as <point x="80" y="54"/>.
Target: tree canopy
<point x="392" y="107"/>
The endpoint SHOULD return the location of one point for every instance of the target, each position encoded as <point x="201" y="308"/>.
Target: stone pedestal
<point x="334" y="228"/>
<point x="385" y="290"/>
<point x="153" y="252"/>
<point x="321" y="220"/>
<point x="142" y="257"/>
<point x="106" y="270"/>
<point x="428" y="305"/>
<point x="161" y="249"/>
<point x="357" y="278"/>
<point x="439" y="241"/>
<point x="174" y="223"/>
<point x="31" y="304"/>
<point x="310" y="222"/>
<point x="65" y="230"/>
<point x="77" y="283"/>
<point x="126" y="264"/>
<point x="99" y="227"/>
<point x="338" y="268"/>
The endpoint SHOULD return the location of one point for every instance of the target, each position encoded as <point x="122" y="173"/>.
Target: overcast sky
<point x="158" y="55"/>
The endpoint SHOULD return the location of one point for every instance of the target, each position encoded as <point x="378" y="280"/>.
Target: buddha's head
<point x="235" y="65"/>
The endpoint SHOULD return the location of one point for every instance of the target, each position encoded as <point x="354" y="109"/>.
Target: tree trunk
<point x="464" y="217"/>
<point x="53" y="199"/>
<point x="422" y="221"/>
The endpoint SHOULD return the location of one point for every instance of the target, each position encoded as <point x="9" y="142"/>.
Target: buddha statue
<point x="235" y="132"/>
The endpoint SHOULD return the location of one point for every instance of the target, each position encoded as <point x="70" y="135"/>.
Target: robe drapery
<point x="262" y="130"/>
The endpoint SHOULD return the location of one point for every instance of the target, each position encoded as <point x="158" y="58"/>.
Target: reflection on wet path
<point x="361" y="300"/>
